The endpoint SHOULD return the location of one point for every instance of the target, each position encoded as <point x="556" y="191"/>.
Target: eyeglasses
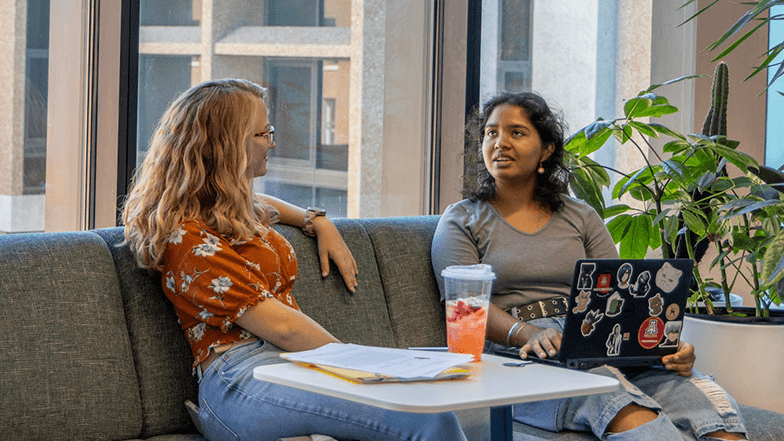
<point x="269" y="134"/>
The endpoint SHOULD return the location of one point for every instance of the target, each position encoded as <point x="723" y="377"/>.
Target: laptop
<point x="624" y="313"/>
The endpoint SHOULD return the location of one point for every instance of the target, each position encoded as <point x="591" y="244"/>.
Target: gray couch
<point x="91" y="348"/>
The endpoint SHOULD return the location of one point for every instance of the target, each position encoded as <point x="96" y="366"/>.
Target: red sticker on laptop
<point x="603" y="283"/>
<point x="651" y="332"/>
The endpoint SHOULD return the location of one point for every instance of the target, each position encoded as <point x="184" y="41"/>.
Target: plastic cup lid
<point x="479" y="271"/>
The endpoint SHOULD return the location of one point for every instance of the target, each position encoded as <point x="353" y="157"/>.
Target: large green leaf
<point x="663" y="214"/>
<point x="634" y="245"/>
<point x="671" y="229"/>
<point x="615" y="210"/>
<point x="773" y="261"/>
<point x="675" y="171"/>
<point x="653" y="87"/>
<point x="666" y="131"/>
<point x="739" y="159"/>
<point x="579" y="143"/>
<point x="586" y="189"/>
<point x="694" y="222"/>
<point x="618" y="226"/>
<point x="644" y="129"/>
<point x="635" y="106"/>
<point x="748" y="208"/>
<point x="633" y="180"/>
<point x="657" y="111"/>
<point x="676" y="146"/>
<point x="623" y="134"/>
<point x="596" y="171"/>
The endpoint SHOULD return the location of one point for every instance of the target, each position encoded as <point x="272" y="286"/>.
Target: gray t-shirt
<point x="528" y="267"/>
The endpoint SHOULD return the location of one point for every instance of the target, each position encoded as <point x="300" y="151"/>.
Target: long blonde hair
<point x="196" y="168"/>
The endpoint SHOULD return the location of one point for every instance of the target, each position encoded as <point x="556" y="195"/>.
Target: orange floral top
<point x="212" y="281"/>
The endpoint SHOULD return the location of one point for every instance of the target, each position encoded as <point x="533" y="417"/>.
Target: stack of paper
<point x="366" y="364"/>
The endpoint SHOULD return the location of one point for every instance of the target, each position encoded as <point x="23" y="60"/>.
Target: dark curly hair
<point x="551" y="184"/>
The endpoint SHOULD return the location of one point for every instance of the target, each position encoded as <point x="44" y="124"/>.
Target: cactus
<point x="716" y="121"/>
<point x="715" y="125"/>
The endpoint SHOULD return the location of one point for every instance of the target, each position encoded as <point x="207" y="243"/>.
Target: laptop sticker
<point x="614" y="305"/>
<point x="672" y="333"/>
<point x="624" y="275"/>
<point x="603" y="284"/>
<point x="641" y="287"/>
<point x="655" y="305"/>
<point x="614" y="341"/>
<point x="585" y="281"/>
<point x="667" y="277"/>
<point x="651" y="332"/>
<point x="672" y="311"/>
<point x="589" y="322"/>
<point x="583" y="299"/>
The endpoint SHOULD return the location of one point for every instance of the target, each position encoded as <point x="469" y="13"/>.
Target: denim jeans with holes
<point x="688" y="407"/>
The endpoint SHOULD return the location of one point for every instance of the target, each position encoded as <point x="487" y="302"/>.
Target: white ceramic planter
<point x="746" y="360"/>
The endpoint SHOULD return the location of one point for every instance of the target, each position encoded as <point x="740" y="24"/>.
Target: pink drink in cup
<point x="467" y="300"/>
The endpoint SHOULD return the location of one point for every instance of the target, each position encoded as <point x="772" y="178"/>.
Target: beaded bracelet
<point x="511" y="330"/>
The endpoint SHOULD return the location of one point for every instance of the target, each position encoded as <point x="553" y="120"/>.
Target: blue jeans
<point x="235" y="406"/>
<point x="688" y="407"/>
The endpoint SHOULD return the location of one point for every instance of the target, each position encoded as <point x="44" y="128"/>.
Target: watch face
<point x="317" y="211"/>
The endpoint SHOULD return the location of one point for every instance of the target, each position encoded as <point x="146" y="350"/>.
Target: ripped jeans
<point x="691" y="406"/>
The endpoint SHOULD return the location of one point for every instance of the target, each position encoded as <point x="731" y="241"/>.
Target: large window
<point x="24" y="63"/>
<point x="349" y="91"/>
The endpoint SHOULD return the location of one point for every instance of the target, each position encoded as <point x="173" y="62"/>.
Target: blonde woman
<point x="192" y="215"/>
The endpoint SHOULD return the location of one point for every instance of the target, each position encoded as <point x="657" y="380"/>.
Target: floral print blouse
<point x="212" y="281"/>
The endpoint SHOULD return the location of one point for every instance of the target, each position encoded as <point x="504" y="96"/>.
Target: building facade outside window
<point x="348" y="83"/>
<point x="24" y="58"/>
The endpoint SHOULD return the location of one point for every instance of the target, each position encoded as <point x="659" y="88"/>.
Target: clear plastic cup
<point x="467" y="302"/>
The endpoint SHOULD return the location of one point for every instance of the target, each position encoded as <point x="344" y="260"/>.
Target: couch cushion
<point x="361" y="317"/>
<point x="402" y="247"/>
<point x="160" y="351"/>
<point x="66" y="368"/>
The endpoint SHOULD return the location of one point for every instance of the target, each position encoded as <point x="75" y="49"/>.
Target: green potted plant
<point x="684" y="199"/>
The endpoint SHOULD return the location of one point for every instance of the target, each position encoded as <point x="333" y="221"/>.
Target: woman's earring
<point x="540" y="170"/>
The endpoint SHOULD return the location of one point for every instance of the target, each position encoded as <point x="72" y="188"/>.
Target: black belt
<point x="543" y="308"/>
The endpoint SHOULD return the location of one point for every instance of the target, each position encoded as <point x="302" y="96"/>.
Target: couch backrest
<point x="66" y="366"/>
<point x="161" y="354"/>
<point x="56" y="286"/>
<point x="402" y="252"/>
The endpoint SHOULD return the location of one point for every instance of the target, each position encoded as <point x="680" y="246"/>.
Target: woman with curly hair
<point x="520" y="220"/>
<point x="192" y="216"/>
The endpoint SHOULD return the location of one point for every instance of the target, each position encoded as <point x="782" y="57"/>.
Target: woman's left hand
<point x="681" y="361"/>
<point x="332" y="246"/>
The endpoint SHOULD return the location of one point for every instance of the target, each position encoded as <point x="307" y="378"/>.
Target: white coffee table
<point x="491" y="384"/>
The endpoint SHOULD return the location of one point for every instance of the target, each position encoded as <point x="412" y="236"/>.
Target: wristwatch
<point x="317" y="211"/>
<point x="310" y="214"/>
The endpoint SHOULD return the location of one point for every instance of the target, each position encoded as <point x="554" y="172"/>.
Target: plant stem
<point x="759" y="311"/>
<point x="724" y="286"/>
<point x="700" y="284"/>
